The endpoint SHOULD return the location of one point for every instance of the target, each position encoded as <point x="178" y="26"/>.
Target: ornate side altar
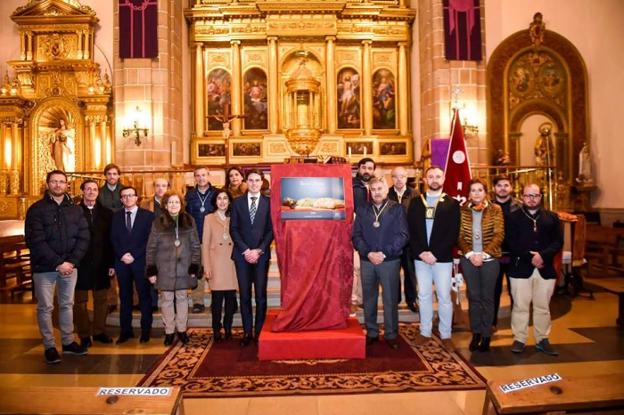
<point x="314" y="77"/>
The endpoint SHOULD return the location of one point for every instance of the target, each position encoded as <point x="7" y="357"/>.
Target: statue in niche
<point x="585" y="170"/>
<point x="62" y="141"/>
<point x="544" y="149"/>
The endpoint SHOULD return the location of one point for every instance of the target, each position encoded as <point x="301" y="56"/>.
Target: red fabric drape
<point x="138" y="29"/>
<point x="457" y="169"/>
<point x="315" y="257"/>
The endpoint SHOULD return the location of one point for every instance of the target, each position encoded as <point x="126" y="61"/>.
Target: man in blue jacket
<point x="379" y="235"/>
<point x="129" y="233"/>
<point x="57" y="235"/>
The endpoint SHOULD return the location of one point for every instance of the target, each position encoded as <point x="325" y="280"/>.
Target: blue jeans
<point x="439" y="274"/>
<point x="45" y="282"/>
<point x="386" y="274"/>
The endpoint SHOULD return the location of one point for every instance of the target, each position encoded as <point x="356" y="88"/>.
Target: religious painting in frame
<point x="384" y="94"/>
<point x="247" y="149"/>
<point x="348" y="99"/>
<point x="393" y="148"/>
<point x="255" y="98"/>
<point x="208" y="151"/>
<point x="218" y="92"/>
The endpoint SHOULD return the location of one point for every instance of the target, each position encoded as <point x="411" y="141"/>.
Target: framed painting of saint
<point x="348" y="99"/>
<point x="384" y="113"/>
<point x="255" y="97"/>
<point x="218" y="90"/>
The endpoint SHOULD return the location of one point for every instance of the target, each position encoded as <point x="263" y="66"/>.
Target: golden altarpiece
<point x="273" y="79"/>
<point x="55" y="111"/>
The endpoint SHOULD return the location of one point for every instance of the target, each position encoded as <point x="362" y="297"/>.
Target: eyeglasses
<point x="532" y="196"/>
<point x="127" y="196"/>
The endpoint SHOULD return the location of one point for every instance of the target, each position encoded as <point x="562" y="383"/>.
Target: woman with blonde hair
<point x="481" y="234"/>
<point x="173" y="264"/>
<point x="218" y="265"/>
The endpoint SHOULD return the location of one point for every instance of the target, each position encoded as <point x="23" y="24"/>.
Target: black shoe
<point x="217" y="338"/>
<point x="228" y="334"/>
<point x="124" y="338"/>
<point x="485" y="344"/>
<point x="545" y="347"/>
<point x="393" y="344"/>
<point x="371" y="340"/>
<point x="413" y="307"/>
<point x="246" y="340"/>
<point x="86" y="342"/>
<point x="169" y="339"/>
<point x="517" y="347"/>
<point x="145" y="337"/>
<point x="155" y="309"/>
<point x="75" y="349"/>
<point x="198" y="308"/>
<point x="103" y="338"/>
<point x="474" y="343"/>
<point x="52" y="356"/>
<point x="184" y="338"/>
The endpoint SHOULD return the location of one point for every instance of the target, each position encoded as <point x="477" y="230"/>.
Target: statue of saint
<point x="585" y="170"/>
<point x="61" y="144"/>
<point x="544" y="148"/>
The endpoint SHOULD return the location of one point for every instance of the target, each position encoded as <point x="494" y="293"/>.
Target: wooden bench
<point x="84" y="400"/>
<point x="588" y="393"/>
<point x="615" y="286"/>
<point x="15" y="271"/>
<point x="604" y="251"/>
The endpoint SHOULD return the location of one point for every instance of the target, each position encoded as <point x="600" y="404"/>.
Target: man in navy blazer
<point x="252" y="233"/>
<point x="129" y="232"/>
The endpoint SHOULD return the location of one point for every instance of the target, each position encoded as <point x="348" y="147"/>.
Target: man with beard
<point x="403" y="194"/>
<point x="57" y="236"/>
<point x="434" y="228"/>
<point x="379" y="236"/>
<point x="95" y="269"/>
<point x="361" y="193"/>
<point x="502" y="197"/>
<point x="110" y="194"/>
<point x="535" y="237"/>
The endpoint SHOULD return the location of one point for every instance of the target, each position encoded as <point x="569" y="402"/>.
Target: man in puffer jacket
<point x="57" y="235"/>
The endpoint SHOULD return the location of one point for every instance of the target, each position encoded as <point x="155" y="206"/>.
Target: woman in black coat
<point x="173" y="263"/>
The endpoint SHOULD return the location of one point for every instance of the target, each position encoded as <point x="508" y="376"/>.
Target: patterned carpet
<point x="208" y="370"/>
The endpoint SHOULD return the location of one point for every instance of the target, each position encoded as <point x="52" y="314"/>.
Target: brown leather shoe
<point x="448" y="345"/>
<point x="420" y="340"/>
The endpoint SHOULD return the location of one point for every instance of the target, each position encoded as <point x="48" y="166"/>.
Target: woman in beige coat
<point x="218" y="265"/>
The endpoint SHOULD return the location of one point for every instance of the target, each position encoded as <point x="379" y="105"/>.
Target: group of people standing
<point x="397" y="227"/>
<point x="169" y="244"/>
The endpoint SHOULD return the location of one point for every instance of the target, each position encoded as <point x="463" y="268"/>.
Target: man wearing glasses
<point x="129" y="232"/>
<point x="57" y="235"/>
<point x="535" y="237"/>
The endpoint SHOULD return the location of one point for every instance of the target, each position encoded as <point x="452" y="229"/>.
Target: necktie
<point x="129" y="221"/>
<point x="253" y="208"/>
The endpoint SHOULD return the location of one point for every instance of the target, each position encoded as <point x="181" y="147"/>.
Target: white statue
<point x="585" y="170"/>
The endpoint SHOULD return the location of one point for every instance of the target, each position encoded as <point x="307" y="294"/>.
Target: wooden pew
<point x="615" y="286"/>
<point x="604" y="251"/>
<point x="569" y="394"/>
<point x="15" y="271"/>
<point x="84" y="400"/>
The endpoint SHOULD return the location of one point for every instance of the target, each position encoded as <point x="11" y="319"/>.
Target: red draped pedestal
<point x="315" y="257"/>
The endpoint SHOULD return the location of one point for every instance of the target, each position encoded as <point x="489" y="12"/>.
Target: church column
<point x="80" y="45"/>
<point x="29" y="45"/>
<point x="236" y="87"/>
<point x="273" y="90"/>
<point x="3" y="164"/>
<point x="367" y="92"/>
<point x="17" y="157"/>
<point x="102" y="147"/>
<point x="199" y="91"/>
<point x="22" y="46"/>
<point x="91" y="145"/>
<point x="403" y="89"/>
<point x="331" y="84"/>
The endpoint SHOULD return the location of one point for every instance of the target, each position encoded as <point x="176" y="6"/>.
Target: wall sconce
<point x="136" y="130"/>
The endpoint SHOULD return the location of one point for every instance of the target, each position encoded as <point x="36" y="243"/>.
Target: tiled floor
<point x="583" y="331"/>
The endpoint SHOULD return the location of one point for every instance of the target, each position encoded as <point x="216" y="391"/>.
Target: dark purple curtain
<point x="138" y="29"/>
<point x="462" y="30"/>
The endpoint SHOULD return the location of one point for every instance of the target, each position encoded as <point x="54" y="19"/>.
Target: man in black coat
<point x="129" y="233"/>
<point x="535" y="238"/>
<point x="434" y="228"/>
<point x="95" y="270"/>
<point x="57" y="236"/>
<point x="361" y="194"/>
<point x="403" y="194"/>
<point x="252" y="233"/>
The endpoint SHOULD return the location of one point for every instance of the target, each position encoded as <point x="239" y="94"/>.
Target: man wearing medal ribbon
<point x="534" y="237"/>
<point x="198" y="202"/>
<point x="433" y="230"/>
<point x="379" y="236"/>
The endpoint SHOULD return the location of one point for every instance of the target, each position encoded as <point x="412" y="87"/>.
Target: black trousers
<point x="127" y="277"/>
<point x="481" y="282"/>
<point x="498" y="291"/>
<point x="409" y="278"/>
<point x="216" y="306"/>
<point x="255" y="275"/>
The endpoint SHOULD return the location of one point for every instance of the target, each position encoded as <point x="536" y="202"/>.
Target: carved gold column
<point x="22" y="46"/>
<point x="102" y="149"/>
<point x="236" y="87"/>
<point x="331" y="84"/>
<point x="3" y="166"/>
<point x="17" y="157"/>
<point x="273" y="77"/>
<point x="91" y="143"/>
<point x="403" y="89"/>
<point x="29" y="46"/>
<point x="200" y="116"/>
<point x="367" y="91"/>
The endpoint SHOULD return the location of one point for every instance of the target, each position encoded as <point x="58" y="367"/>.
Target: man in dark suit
<point x="535" y="237"/>
<point x="252" y="233"/>
<point x="434" y="228"/>
<point x="130" y="229"/>
<point x="403" y="194"/>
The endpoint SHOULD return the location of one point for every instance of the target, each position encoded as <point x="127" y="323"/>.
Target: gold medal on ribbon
<point x="430" y="213"/>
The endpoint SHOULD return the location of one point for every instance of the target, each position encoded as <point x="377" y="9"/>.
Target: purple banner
<point x="439" y="151"/>
<point x="462" y="30"/>
<point x="138" y="29"/>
